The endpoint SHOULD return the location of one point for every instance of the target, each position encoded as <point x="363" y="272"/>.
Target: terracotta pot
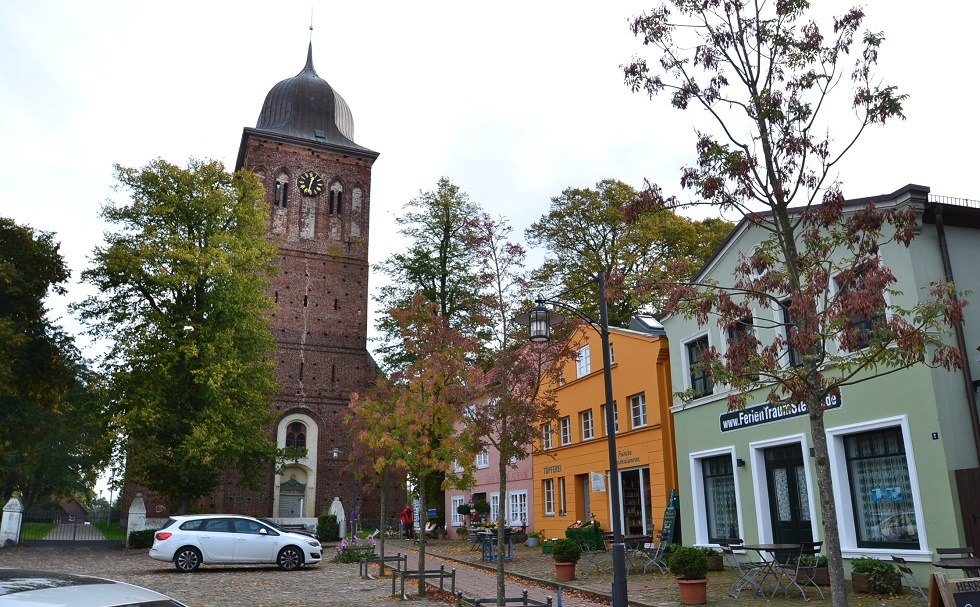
<point x="565" y="572"/>
<point x="693" y="592"/>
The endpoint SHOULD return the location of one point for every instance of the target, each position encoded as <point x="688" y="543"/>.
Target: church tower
<point x="318" y="186"/>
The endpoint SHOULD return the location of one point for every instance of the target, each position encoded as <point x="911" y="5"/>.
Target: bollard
<point x="524" y="594"/>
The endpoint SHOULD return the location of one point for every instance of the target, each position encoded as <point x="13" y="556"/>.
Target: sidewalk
<point x="478" y="580"/>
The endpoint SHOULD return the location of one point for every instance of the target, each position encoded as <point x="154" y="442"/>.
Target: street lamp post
<point x="540" y="320"/>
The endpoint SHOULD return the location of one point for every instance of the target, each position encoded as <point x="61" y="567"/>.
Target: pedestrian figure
<point x="408" y="520"/>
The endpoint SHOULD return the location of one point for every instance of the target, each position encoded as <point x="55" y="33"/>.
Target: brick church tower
<point x="318" y="185"/>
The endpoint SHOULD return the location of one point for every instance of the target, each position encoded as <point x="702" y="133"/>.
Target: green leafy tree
<point x="182" y="293"/>
<point x="765" y="75"/>
<point x="436" y="263"/>
<point x="54" y="432"/>
<point x="409" y="419"/>
<point x="586" y="232"/>
<point x="514" y="400"/>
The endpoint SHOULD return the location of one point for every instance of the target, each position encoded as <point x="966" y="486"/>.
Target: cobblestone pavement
<point x="326" y="584"/>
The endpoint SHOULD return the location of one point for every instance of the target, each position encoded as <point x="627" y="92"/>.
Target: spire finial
<point x="311" y="25"/>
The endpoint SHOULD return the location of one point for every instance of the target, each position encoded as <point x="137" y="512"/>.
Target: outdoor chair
<point x="956" y="553"/>
<point x="653" y="554"/>
<point x="799" y="569"/>
<point x="592" y="554"/>
<point x="909" y="578"/>
<point x="748" y="571"/>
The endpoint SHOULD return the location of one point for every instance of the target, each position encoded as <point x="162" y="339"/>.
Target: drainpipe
<point x="971" y="395"/>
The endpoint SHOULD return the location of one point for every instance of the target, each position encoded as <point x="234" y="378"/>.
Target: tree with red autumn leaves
<point x="765" y="75"/>
<point x="409" y="419"/>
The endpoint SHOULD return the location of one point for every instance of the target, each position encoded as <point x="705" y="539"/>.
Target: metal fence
<point x="57" y="527"/>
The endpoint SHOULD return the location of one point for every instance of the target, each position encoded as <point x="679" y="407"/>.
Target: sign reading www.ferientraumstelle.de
<point x="770" y="412"/>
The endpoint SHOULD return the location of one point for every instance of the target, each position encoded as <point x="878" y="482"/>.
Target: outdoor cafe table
<point x="970" y="565"/>
<point x="488" y="544"/>
<point x="773" y="550"/>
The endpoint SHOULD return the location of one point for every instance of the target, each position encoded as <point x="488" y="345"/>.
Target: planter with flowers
<point x="585" y="532"/>
<point x="534" y="538"/>
<point x="354" y="549"/>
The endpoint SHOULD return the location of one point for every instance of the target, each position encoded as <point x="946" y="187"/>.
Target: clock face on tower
<point x="310" y="184"/>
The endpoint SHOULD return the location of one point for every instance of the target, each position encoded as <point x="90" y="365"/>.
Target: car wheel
<point x="187" y="559"/>
<point x="289" y="558"/>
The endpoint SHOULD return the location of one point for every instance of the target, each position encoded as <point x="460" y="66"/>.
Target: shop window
<point x="494" y="506"/>
<point x="721" y="512"/>
<point x="881" y="490"/>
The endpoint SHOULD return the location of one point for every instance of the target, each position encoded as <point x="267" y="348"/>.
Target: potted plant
<point x="566" y="554"/>
<point x="690" y="565"/>
<point x="874" y="576"/>
<point x="482" y="508"/>
<point x="534" y="538"/>
<point x="715" y="561"/>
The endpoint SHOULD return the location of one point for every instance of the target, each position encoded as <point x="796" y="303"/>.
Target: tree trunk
<point x="423" y="521"/>
<point x="501" y="515"/>
<point x="381" y="520"/>
<point x="828" y="508"/>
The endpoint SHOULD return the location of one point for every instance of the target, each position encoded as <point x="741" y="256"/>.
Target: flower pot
<point x="547" y="547"/>
<point x="821" y="576"/>
<point x="565" y="572"/>
<point x="859" y="581"/>
<point x="532" y="541"/>
<point x="693" y="592"/>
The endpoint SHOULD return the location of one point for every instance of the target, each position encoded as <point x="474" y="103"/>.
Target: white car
<point x="29" y="588"/>
<point x="189" y="541"/>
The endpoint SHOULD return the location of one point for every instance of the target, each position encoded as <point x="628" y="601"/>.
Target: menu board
<point x="670" y="517"/>
<point x="944" y="592"/>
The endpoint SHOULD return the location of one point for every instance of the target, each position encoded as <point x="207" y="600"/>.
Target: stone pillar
<point x="137" y="517"/>
<point x="13" y="514"/>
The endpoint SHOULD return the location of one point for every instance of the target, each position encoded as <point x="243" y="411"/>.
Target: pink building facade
<point x="517" y="503"/>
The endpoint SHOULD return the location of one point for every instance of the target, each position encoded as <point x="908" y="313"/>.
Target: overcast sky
<point x="513" y="101"/>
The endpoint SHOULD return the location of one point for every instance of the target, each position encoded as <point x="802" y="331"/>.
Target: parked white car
<point x="189" y="541"/>
<point x="29" y="588"/>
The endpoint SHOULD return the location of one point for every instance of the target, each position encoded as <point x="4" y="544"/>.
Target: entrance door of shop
<point x="789" y="502"/>
<point x="635" y="491"/>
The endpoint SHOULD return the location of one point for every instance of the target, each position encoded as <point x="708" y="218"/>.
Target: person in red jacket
<point x="408" y="521"/>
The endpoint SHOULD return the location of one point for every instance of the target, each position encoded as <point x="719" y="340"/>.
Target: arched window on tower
<point x="282" y="191"/>
<point x="336" y="198"/>
<point x="296" y="435"/>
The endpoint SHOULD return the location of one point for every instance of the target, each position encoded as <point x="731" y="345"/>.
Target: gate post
<point x="137" y="516"/>
<point x="13" y="514"/>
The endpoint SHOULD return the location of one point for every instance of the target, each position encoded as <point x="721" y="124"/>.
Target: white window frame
<point x="602" y="411"/>
<point x="517" y="508"/>
<point x="843" y="498"/>
<point x="698" y="493"/>
<point x="548" y="489"/>
<point x="587" y="421"/>
<point x="458" y="520"/>
<point x="483" y="459"/>
<point x="612" y="354"/>
<point x="546" y="436"/>
<point x="494" y="506"/>
<point x="583" y="362"/>
<point x="638" y="410"/>
<point x="687" y="362"/>
<point x="565" y="427"/>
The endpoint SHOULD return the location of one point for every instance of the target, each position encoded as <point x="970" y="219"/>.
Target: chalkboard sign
<point x="670" y="518"/>
<point x="944" y="592"/>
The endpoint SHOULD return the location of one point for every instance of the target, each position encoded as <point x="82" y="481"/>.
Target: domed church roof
<point x="306" y="107"/>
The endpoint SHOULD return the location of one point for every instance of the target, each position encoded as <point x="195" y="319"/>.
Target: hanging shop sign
<point x="770" y="412"/>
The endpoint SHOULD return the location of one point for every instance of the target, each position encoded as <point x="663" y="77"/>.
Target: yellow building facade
<point x="571" y="465"/>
